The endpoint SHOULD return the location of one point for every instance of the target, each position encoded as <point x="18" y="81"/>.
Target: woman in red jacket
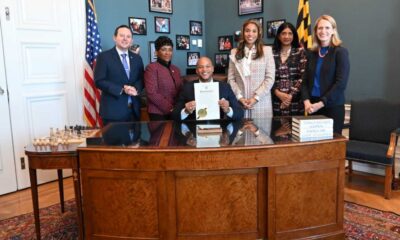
<point x="162" y="81"/>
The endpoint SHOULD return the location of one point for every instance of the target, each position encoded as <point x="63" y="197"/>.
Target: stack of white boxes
<point x="312" y="128"/>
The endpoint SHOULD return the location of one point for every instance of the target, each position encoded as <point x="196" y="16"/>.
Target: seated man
<point x="185" y="106"/>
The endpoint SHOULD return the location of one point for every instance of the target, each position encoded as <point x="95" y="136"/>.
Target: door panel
<point x="8" y="178"/>
<point x="41" y="73"/>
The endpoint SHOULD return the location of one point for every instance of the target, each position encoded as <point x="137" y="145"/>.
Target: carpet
<point x="360" y="223"/>
<point x="54" y="225"/>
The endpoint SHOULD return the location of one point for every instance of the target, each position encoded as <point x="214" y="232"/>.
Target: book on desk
<point x="312" y="128"/>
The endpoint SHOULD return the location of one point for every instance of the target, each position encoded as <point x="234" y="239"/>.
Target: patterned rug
<point x="360" y="223"/>
<point x="53" y="224"/>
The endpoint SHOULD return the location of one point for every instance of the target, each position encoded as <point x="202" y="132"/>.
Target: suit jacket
<point x="261" y="81"/>
<point x="162" y="87"/>
<point x="333" y="78"/>
<point x="187" y="95"/>
<point x="110" y="78"/>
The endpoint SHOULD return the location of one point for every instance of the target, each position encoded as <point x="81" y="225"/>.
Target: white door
<point x="8" y="180"/>
<point x="40" y="40"/>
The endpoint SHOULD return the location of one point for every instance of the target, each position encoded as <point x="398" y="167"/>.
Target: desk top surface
<point x="188" y="135"/>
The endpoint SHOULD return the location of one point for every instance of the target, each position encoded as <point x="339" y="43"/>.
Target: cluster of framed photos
<point x="225" y="43"/>
<point x="163" y="25"/>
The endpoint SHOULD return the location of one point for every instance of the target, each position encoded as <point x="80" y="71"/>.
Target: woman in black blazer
<point x="326" y="74"/>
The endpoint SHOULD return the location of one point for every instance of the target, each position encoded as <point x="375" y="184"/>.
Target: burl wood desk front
<point x="162" y="180"/>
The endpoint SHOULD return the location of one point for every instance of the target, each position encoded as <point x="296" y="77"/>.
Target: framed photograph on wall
<point x="135" y="48"/>
<point x="162" y="6"/>
<point x="138" y="25"/>
<point x="182" y="42"/>
<point x="272" y="27"/>
<point x="152" y="52"/>
<point x="196" y="28"/>
<point x="236" y="35"/>
<point x="250" y="6"/>
<point x="260" y="20"/>
<point x="192" y="58"/>
<point x="221" y="60"/>
<point x="225" y="43"/>
<point x="161" y="25"/>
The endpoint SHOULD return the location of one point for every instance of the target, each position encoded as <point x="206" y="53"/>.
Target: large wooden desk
<point x="261" y="187"/>
<point x="60" y="157"/>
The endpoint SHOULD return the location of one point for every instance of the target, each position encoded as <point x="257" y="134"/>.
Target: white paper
<point x="194" y="42"/>
<point x="206" y="97"/>
<point x="199" y="42"/>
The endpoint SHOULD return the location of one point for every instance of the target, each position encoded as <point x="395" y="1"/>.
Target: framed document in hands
<point x="206" y="96"/>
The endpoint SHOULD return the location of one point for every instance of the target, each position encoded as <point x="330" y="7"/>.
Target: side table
<point x="59" y="157"/>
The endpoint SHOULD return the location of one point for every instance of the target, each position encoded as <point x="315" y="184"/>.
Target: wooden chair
<point x="373" y="134"/>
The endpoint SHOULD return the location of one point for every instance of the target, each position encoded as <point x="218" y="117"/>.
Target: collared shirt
<point x="120" y="52"/>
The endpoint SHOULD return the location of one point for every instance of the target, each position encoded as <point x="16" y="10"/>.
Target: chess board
<point x="65" y="137"/>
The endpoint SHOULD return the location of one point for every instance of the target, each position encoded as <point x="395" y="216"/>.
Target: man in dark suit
<point x="119" y="76"/>
<point x="185" y="106"/>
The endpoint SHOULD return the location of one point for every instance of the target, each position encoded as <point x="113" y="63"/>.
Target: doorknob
<point x="1" y="91"/>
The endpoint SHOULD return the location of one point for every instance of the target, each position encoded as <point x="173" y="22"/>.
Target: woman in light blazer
<point x="252" y="72"/>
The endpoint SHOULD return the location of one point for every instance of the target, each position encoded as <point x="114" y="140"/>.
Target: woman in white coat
<point x="252" y="72"/>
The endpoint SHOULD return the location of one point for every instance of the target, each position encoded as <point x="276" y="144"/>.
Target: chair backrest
<point x="190" y="71"/>
<point x="373" y="120"/>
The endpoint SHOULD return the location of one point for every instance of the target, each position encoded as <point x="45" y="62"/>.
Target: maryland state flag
<point x="304" y="24"/>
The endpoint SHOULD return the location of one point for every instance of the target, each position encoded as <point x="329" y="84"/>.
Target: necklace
<point x="285" y="53"/>
<point x="323" y="54"/>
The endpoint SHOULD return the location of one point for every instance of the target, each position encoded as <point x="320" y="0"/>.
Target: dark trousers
<point x="336" y="113"/>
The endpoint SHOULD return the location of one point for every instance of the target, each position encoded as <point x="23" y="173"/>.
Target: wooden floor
<point x="359" y="191"/>
<point x="20" y="202"/>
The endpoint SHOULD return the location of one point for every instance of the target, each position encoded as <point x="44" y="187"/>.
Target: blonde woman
<point x="327" y="73"/>
<point x="252" y="72"/>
